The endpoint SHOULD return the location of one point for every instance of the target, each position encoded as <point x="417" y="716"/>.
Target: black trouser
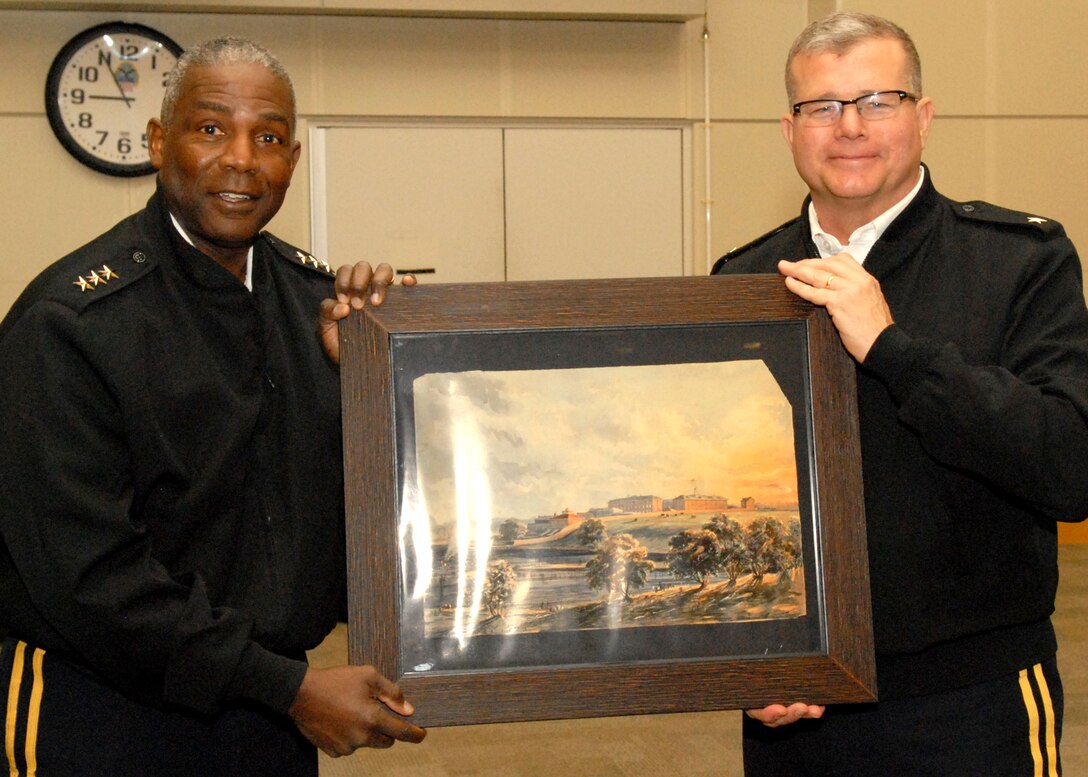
<point x="1008" y="727"/>
<point x="59" y="722"/>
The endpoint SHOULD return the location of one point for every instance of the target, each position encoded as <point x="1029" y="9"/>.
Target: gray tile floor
<point x="695" y="745"/>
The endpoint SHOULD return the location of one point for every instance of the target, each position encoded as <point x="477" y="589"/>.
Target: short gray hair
<point x="840" y="32"/>
<point x="221" y="51"/>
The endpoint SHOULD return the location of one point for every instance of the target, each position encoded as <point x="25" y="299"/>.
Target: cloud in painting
<point x="547" y="440"/>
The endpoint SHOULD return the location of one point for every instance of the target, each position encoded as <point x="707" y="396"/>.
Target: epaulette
<point x="978" y="210"/>
<point x="81" y="286"/>
<point x="733" y="253"/>
<point x="297" y="256"/>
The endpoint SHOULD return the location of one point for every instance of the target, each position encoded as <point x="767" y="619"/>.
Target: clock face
<point x="102" y="88"/>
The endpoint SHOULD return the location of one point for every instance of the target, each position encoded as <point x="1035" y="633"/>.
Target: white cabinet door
<point x="594" y="203"/>
<point x="493" y="203"/>
<point x="420" y="198"/>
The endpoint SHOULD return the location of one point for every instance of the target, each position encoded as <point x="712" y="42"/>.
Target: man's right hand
<point x="777" y="715"/>
<point x="344" y="708"/>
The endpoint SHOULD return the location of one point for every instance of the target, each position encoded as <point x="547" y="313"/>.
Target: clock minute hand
<point x="120" y="91"/>
<point x="109" y="97"/>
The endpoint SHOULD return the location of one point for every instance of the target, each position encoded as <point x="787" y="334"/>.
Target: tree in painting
<point x="591" y="533"/>
<point x="694" y="554"/>
<point x="499" y="587"/>
<point x="768" y="548"/>
<point x="621" y="564"/>
<point x="512" y="529"/>
<point x="732" y="551"/>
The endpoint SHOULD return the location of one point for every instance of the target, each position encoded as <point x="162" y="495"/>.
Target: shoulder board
<point x="298" y="256"/>
<point x="984" y="212"/>
<point x="732" y="253"/>
<point x="83" y="280"/>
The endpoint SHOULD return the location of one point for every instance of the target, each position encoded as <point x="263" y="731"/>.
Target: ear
<point x="786" y="123"/>
<point x="924" y="111"/>
<point x="156" y="135"/>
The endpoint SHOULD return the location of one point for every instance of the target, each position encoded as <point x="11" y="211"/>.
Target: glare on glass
<point x="871" y="107"/>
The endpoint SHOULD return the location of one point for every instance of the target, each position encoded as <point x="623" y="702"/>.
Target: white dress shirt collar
<point x="865" y="236"/>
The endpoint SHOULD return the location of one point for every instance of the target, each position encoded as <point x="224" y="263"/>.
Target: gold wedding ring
<point x="829" y="279"/>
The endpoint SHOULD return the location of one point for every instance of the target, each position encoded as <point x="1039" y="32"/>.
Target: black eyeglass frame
<point x="843" y="103"/>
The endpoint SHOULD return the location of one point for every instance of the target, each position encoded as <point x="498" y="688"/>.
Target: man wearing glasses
<point x="968" y="326"/>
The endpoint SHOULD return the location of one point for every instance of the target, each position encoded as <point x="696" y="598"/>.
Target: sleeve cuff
<point x="268" y="678"/>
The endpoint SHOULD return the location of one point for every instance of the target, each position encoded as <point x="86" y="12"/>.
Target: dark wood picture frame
<point x="841" y="670"/>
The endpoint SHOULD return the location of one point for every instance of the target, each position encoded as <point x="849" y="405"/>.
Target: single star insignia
<point x="95" y="278"/>
<point x="1036" y="220"/>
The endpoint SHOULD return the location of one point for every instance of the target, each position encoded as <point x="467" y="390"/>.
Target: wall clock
<point x="103" y="86"/>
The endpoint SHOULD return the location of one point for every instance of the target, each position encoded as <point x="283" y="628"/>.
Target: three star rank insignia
<point x="311" y="261"/>
<point x="95" y="278"/>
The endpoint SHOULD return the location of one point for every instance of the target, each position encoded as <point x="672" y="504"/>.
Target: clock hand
<point x="109" y="97"/>
<point x="125" y="97"/>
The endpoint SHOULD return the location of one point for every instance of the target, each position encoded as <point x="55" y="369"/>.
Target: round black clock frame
<point x="103" y="86"/>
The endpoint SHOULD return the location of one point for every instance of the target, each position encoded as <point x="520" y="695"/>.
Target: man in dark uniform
<point x="171" y="507"/>
<point x="968" y="326"/>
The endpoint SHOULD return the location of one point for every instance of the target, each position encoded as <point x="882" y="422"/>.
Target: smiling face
<point x="226" y="159"/>
<point x="856" y="169"/>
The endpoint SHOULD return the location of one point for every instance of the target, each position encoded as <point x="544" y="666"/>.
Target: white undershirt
<point x="249" y="256"/>
<point x="865" y="236"/>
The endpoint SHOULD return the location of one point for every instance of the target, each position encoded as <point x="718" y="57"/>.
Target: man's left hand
<point x="355" y="286"/>
<point x="849" y="293"/>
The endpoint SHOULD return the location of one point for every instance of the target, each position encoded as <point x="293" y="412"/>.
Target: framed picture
<point x="589" y="498"/>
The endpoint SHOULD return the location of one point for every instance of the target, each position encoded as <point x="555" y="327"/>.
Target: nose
<point x="850" y="123"/>
<point x="239" y="153"/>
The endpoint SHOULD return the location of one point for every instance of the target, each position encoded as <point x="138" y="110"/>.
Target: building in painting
<point x="697" y="503"/>
<point x="558" y="521"/>
<point x="637" y="504"/>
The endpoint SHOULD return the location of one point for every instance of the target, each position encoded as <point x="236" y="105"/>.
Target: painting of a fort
<point x="610" y="497"/>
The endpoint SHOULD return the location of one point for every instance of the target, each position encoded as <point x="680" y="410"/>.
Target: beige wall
<point x="1006" y="76"/>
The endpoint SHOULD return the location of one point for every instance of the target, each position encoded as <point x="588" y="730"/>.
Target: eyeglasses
<point x="871" y="107"/>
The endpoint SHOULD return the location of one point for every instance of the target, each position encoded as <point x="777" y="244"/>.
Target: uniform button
<point x="968" y="208"/>
<point x="139" y="257"/>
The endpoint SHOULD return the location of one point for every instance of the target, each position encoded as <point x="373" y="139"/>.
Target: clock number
<point x="89" y="74"/>
<point x="77" y="96"/>
<point x="129" y="50"/>
<point x="86" y="120"/>
<point x="124" y="145"/>
<point x="102" y="135"/>
<point x="143" y="141"/>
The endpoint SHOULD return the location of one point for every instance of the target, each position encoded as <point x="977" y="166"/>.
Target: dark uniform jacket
<point x="171" y="506"/>
<point x="974" y="431"/>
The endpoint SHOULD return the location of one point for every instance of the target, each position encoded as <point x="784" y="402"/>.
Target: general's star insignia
<point x="95" y="278"/>
<point x="1036" y="220"/>
<point x="309" y="260"/>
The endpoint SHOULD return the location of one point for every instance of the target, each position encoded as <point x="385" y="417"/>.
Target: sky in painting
<point x="536" y="442"/>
